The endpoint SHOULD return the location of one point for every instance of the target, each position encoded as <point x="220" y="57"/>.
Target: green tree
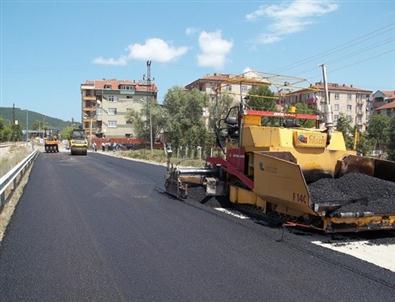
<point x="364" y="145"/>
<point x="391" y="139"/>
<point x="261" y="98"/>
<point x="304" y="108"/>
<point x="219" y="108"/>
<point x="377" y="130"/>
<point x="185" y="123"/>
<point x="141" y="124"/>
<point x="66" y="132"/>
<point x="344" y="125"/>
<point x="4" y="130"/>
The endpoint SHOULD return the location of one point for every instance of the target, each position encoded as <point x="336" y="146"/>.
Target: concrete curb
<point x="137" y="159"/>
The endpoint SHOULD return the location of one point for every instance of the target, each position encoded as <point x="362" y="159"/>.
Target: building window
<point x="349" y="107"/>
<point x="336" y="96"/>
<point x="349" y="96"/>
<point x="126" y="87"/>
<point x="111" y="98"/>
<point x="335" y="118"/>
<point x="336" y="107"/>
<point x="244" y="88"/>
<point x="112" y="111"/>
<point x="228" y="87"/>
<point x="98" y="111"/>
<point x="349" y="117"/>
<point x="107" y="86"/>
<point x="112" y="124"/>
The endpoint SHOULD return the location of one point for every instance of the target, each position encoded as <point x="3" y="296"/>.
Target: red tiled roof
<point x="138" y="86"/>
<point x="340" y="87"/>
<point x="390" y="94"/>
<point x="387" y="106"/>
<point x="210" y="78"/>
<point x="334" y="87"/>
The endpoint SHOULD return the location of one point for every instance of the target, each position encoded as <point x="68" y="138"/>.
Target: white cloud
<point x="154" y="49"/>
<point x="289" y="17"/>
<point x="191" y="30"/>
<point x="214" y="49"/>
<point x="121" y="61"/>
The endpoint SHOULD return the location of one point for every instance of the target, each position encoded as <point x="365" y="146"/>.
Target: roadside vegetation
<point x="10" y="132"/>
<point x="379" y="135"/>
<point x="159" y="156"/>
<point x="11" y="156"/>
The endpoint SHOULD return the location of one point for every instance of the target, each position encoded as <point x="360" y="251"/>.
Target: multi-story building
<point x="381" y="98"/>
<point x="345" y="99"/>
<point x="384" y="102"/>
<point x="105" y="104"/>
<point x="220" y="83"/>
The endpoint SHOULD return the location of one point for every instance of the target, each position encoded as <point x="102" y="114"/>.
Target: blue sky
<point x="49" y="47"/>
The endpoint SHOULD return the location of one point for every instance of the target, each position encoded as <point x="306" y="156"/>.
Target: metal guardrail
<point x="14" y="176"/>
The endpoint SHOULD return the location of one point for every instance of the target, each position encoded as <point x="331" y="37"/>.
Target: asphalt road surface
<point x="97" y="228"/>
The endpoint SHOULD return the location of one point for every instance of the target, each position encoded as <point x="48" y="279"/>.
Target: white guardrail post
<point x="13" y="177"/>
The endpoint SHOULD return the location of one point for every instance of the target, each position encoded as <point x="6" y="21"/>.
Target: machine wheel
<point x="85" y="152"/>
<point x="46" y="149"/>
<point x="56" y="149"/>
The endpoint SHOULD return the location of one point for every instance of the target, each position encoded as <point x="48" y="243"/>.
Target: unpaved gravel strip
<point x="9" y="207"/>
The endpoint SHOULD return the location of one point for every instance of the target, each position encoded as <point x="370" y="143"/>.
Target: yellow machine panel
<point x="309" y="139"/>
<point x="281" y="182"/>
<point x="252" y="120"/>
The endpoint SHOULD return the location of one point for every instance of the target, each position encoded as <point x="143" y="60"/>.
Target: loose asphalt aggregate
<point x="355" y="192"/>
<point x="97" y="228"/>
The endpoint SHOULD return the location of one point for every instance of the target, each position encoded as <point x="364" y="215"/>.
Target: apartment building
<point x="381" y="98"/>
<point x="384" y="102"/>
<point x="221" y="83"/>
<point x="345" y="99"/>
<point x="105" y="103"/>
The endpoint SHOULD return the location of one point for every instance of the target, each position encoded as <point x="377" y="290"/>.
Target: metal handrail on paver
<point x="11" y="178"/>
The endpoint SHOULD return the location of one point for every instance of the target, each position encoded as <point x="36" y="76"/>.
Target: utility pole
<point x="327" y="107"/>
<point x="90" y="131"/>
<point x="149" y="104"/>
<point x="27" y="125"/>
<point x="13" y="113"/>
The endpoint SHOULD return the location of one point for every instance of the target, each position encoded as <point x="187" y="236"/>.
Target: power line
<point x="364" y="60"/>
<point x="360" y="61"/>
<point x="351" y="43"/>
<point x="357" y="52"/>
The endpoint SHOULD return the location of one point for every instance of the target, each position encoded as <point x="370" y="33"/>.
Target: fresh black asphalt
<point x="97" y="228"/>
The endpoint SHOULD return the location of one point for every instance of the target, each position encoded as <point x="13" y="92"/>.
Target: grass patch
<point x="159" y="156"/>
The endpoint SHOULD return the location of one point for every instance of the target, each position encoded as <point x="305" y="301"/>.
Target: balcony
<point x="89" y="108"/>
<point x="360" y="102"/>
<point x="89" y="98"/>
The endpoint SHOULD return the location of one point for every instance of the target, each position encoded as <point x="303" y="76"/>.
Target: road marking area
<point x="229" y="212"/>
<point x="378" y="254"/>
